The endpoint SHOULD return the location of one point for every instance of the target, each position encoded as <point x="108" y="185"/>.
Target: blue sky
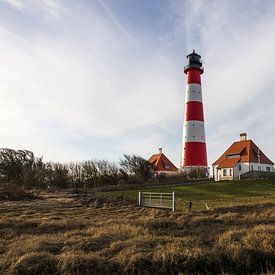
<point x="96" y="79"/>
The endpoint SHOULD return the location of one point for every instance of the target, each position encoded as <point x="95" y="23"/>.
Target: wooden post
<point x="173" y="196"/>
<point x="190" y="206"/>
<point x="139" y="198"/>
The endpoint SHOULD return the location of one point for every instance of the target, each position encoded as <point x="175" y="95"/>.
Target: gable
<point x="162" y="163"/>
<point x="245" y="151"/>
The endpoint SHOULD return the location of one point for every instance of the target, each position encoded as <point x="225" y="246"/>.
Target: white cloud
<point x="80" y="87"/>
<point x="237" y="46"/>
<point x="53" y="7"/>
<point x="67" y="87"/>
<point x="16" y="4"/>
<point x="116" y="22"/>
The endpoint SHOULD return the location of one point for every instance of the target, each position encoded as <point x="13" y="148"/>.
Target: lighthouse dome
<point x="194" y="61"/>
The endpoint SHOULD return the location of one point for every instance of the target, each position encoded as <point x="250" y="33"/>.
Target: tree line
<point x="23" y="168"/>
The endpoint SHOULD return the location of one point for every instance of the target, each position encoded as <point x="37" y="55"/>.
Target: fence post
<point x="173" y="196"/>
<point x="139" y="198"/>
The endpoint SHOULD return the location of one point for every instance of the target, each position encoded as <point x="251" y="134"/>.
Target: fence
<point x="254" y="174"/>
<point x="158" y="200"/>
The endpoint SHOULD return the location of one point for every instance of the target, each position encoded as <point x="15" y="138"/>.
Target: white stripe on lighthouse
<point x="193" y="93"/>
<point x="194" y="131"/>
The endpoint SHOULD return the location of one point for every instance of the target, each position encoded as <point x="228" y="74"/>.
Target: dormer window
<point x="233" y="156"/>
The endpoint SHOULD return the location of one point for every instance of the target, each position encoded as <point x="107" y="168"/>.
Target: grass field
<point x="215" y="194"/>
<point x="65" y="233"/>
<point x="82" y="233"/>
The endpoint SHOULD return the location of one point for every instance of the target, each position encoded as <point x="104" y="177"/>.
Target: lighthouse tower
<point x="193" y="144"/>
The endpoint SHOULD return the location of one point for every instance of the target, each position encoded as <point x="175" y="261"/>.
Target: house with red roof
<point x="162" y="164"/>
<point x="241" y="157"/>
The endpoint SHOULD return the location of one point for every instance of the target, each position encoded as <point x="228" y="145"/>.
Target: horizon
<point x="96" y="80"/>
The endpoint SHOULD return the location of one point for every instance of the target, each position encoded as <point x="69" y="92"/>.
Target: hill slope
<point x="215" y="194"/>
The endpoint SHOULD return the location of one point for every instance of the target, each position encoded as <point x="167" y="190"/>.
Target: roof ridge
<point x="237" y="147"/>
<point x="159" y="157"/>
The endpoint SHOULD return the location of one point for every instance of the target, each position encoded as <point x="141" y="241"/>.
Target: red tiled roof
<point x="228" y="163"/>
<point x="247" y="151"/>
<point x="160" y="161"/>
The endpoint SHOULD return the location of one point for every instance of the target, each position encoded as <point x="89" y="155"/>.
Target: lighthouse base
<point x="196" y="171"/>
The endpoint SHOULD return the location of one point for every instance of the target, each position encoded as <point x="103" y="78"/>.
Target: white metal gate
<point x="159" y="200"/>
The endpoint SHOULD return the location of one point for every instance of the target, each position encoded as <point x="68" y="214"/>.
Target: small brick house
<point x="162" y="164"/>
<point x="241" y="157"/>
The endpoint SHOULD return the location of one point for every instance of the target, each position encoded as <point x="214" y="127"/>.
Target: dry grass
<point x="76" y="234"/>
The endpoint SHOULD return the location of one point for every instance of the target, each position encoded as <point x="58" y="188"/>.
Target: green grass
<point x="215" y="194"/>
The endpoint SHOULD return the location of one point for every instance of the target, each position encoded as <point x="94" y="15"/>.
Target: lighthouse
<point x="194" y="156"/>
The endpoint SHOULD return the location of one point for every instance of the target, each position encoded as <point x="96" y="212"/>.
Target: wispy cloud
<point x="91" y="85"/>
<point x="66" y="90"/>
<point x="16" y="4"/>
<point x="117" y="23"/>
<point x="53" y="7"/>
<point x="237" y="49"/>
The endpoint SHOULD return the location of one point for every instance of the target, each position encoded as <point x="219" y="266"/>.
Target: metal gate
<point x="158" y="200"/>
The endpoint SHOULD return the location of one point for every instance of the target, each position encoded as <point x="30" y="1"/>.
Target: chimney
<point x="243" y="136"/>
<point x="160" y="150"/>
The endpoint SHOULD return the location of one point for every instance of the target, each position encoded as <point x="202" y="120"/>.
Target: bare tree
<point x="137" y="166"/>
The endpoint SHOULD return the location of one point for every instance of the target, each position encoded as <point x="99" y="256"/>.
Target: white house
<point x="241" y="157"/>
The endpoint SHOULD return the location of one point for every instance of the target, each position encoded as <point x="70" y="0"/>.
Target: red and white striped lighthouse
<point x="193" y="144"/>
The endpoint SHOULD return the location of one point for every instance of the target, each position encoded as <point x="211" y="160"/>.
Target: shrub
<point x="11" y="191"/>
<point x="136" y="166"/>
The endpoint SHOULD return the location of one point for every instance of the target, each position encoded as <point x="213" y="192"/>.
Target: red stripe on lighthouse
<point x="193" y="76"/>
<point x="195" y="154"/>
<point x="194" y="111"/>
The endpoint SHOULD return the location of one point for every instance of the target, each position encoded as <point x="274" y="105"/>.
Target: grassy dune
<point x="215" y="194"/>
<point x="81" y="234"/>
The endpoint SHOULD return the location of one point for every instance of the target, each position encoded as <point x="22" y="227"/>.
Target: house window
<point x="259" y="168"/>
<point x="167" y="166"/>
<point x="233" y="156"/>
<point x="224" y="172"/>
<point x="240" y="167"/>
<point x="252" y="167"/>
<point x="230" y="172"/>
<point x="268" y="169"/>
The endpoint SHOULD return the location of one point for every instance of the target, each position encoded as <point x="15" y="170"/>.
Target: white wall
<point x="218" y="174"/>
<point x="245" y="167"/>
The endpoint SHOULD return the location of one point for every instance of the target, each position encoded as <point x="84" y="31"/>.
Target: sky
<point x="94" y="79"/>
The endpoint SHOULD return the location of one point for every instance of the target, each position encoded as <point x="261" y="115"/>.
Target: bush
<point x="24" y="169"/>
<point x="135" y="166"/>
<point x="11" y="191"/>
